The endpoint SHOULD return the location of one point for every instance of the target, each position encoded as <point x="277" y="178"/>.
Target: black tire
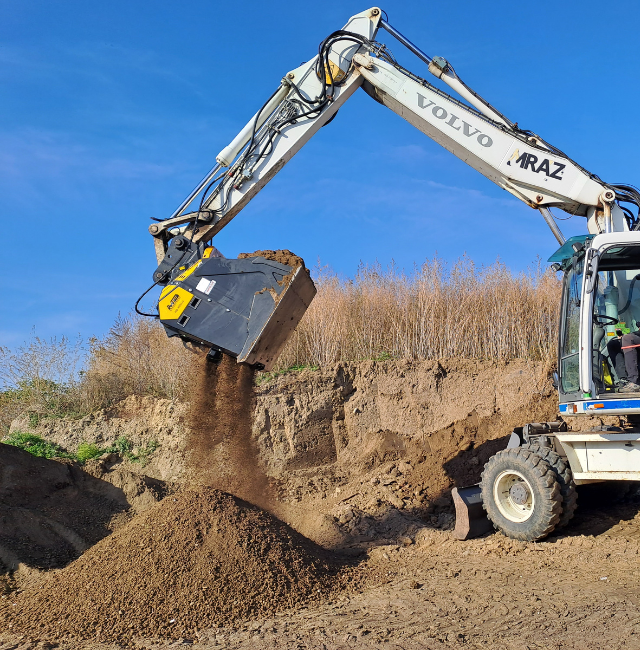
<point x="564" y="476"/>
<point x="540" y="514"/>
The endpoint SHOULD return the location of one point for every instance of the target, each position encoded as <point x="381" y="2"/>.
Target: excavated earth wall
<point x="356" y="412"/>
<point x="354" y="453"/>
<point x="351" y="413"/>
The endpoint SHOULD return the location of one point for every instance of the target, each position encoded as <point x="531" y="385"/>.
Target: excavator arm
<point x="307" y="99"/>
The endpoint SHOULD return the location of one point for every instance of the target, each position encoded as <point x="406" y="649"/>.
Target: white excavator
<point x="247" y="308"/>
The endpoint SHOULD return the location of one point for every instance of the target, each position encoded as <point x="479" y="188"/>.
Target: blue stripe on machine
<point x="605" y="405"/>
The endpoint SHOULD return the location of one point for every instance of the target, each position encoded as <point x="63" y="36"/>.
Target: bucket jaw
<point x="471" y="518"/>
<point x="246" y="308"/>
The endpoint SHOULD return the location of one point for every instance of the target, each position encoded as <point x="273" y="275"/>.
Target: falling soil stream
<point x="219" y="446"/>
<point x="198" y="559"/>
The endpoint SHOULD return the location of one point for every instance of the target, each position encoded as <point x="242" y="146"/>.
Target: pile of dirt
<point x="198" y="559"/>
<point x="220" y="450"/>
<point x="52" y="511"/>
<point x="281" y="256"/>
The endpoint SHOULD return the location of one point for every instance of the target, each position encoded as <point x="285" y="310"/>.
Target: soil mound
<point x="51" y="511"/>
<point x="282" y="256"/>
<point x="196" y="560"/>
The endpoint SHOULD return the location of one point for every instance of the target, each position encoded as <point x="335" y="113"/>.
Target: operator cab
<point x="600" y="303"/>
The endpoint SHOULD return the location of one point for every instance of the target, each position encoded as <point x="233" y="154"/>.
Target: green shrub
<point x="144" y="452"/>
<point x="36" y="445"/>
<point x="122" y="446"/>
<point x="87" y="451"/>
<point x="125" y="448"/>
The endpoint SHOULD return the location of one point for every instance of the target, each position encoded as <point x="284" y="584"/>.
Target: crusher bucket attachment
<point x="246" y="308"/>
<point x="471" y="519"/>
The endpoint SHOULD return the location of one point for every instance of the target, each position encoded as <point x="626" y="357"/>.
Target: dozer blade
<point x="471" y="519"/>
<point x="247" y="308"/>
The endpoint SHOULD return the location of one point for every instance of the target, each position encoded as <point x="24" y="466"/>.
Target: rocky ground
<point x="360" y="459"/>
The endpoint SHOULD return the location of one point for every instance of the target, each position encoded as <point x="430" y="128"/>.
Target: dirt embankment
<point x="352" y="453"/>
<point x="359" y="454"/>
<point x="51" y="512"/>
<point x="141" y="420"/>
<point x="316" y="419"/>
<point x="365" y="451"/>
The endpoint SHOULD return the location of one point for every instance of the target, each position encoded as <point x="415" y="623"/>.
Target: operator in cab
<point x="623" y="351"/>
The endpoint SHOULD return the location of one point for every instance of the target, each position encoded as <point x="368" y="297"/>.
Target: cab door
<point x="571" y="332"/>
<point x="590" y="276"/>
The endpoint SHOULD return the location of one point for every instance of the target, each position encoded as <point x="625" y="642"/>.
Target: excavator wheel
<point x="564" y="476"/>
<point x="521" y="494"/>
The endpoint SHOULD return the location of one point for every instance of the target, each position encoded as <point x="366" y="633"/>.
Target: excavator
<point x="247" y="308"/>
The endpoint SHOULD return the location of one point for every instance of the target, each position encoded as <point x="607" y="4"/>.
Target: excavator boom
<point x="307" y="99"/>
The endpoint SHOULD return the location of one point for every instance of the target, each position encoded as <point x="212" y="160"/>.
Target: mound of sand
<point x="52" y="511"/>
<point x="283" y="256"/>
<point x="197" y="559"/>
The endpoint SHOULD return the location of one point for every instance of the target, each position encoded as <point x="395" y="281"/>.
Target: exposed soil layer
<point x="197" y="559"/>
<point x="367" y="452"/>
<point x="356" y="453"/>
<point x="140" y="419"/>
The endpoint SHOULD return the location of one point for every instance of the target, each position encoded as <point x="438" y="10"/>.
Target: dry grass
<point x="39" y="377"/>
<point x="135" y="358"/>
<point x="58" y="377"/>
<point x="435" y="312"/>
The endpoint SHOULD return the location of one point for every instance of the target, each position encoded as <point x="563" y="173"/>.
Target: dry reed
<point x="434" y="312"/>
<point x="58" y="377"/>
<point x="135" y="358"/>
<point x="38" y="377"/>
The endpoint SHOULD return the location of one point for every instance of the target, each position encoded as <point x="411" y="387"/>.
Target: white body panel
<point x="529" y="172"/>
<point x="602" y="456"/>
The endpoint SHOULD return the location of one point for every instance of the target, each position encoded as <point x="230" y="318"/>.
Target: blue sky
<point x="112" y="112"/>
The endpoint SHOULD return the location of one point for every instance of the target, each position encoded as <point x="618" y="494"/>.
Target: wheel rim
<point x="513" y="495"/>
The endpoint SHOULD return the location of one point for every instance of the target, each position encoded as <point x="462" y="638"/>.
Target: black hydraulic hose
<point x="637" y="277"/>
